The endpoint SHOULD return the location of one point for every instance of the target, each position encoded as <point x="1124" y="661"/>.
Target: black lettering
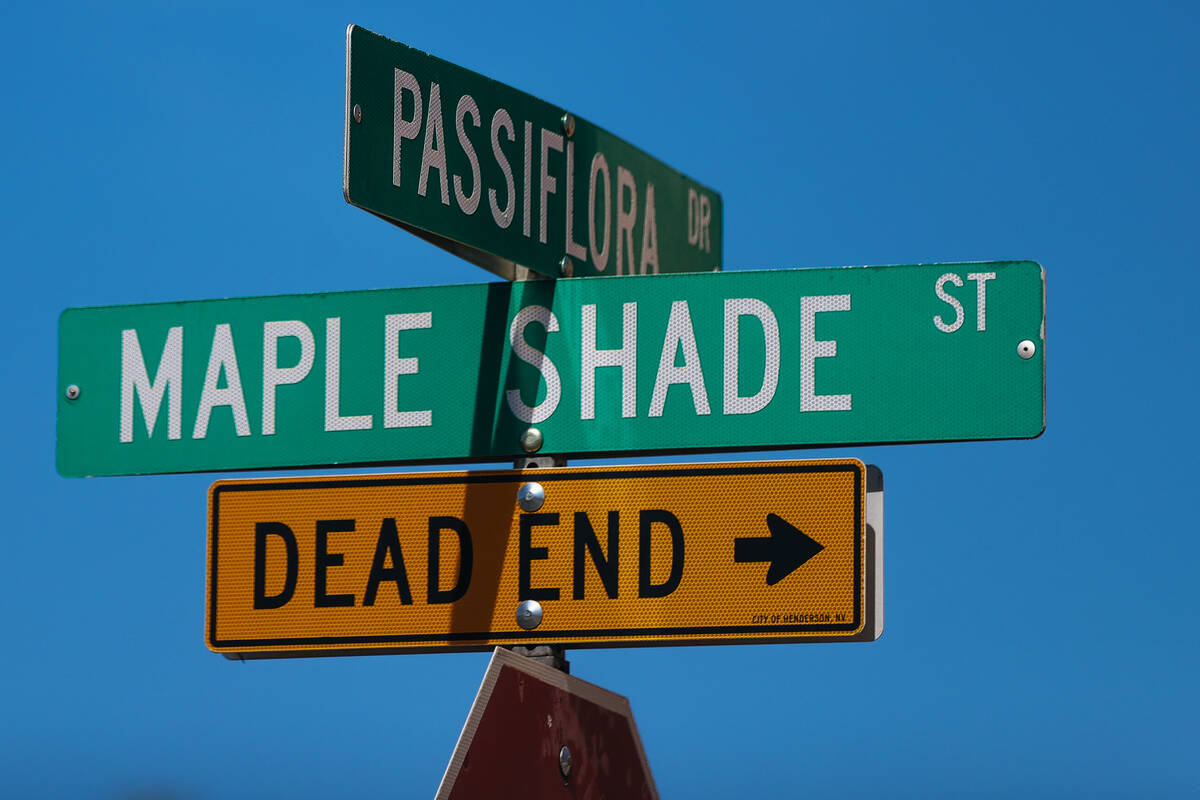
<point x="645" y="520"/>
<point x="261" y="531"/>
<point x="606" y="568"/>
<point x="325" y="559"/>
<point x="389" y="543"/>
<point x="529" y="553"/>
<point x="466" y="559"/>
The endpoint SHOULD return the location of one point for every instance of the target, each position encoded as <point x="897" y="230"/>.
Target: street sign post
<point x="502" y="178"/>
<point x="671" y="363"/>
<point x="583" y="557"/>
<point x="536" y="732"/>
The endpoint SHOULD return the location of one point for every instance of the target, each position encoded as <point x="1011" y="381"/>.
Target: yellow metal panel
<point x="649" y="554"/>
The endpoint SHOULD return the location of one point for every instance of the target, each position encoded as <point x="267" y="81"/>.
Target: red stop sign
<point x="534" y="731"/>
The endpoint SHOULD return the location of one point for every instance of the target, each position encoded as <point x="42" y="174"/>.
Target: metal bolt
<point x="564" y="761"/>
<point x="1026" y="349"/>
<point x="566" y="267"/>
<point x="531" y="440"/>
<point x="529" y="614"/>
<point x="568" y="124"/>
<point x="72" y="392"/>
<point x="531" y="496"/>
<point x="357" y="113"/>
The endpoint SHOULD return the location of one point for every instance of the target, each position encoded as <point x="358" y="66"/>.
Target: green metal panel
<point x="882" y="370"/>
<point x="460" y="150"/>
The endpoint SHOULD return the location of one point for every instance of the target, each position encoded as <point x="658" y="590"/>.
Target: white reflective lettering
<point x="404" y="128"/>
<point x="273" y="374"/>
<point x="599" y="254"/>
<point x="467" y="202"/>
<point x="222" y="357"/>
<point x="679" y="334"/>
<point x="334" y="421"/>
<point x="573" y="250"/>
<point x="981" y="279"/>
<point x="735" y="309"/>
<point x="812" y="349"/>
<point x="434" y="153"/>
<point x="592" y="358"/>
<point x="693" y="216"/>
<point x="548" y="184"/>
<point x="536" y="358"/>
<point x="951" y="301"/>
<point x="394" y="366"/>
<point x="168" y="382"/>
<point x="626" y="216"/>
<point x="527" y="216"/>
<point x="502" y="120"/>
<point x="649" y="256"/>
<point x="702" y="234"/>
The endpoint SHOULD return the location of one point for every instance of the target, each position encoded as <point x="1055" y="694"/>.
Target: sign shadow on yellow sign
<point x="733" y="553"/>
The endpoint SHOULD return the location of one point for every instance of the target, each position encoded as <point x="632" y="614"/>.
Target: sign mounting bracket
<point x="553" y="655"/>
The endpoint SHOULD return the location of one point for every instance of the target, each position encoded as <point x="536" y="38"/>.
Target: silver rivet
<point x="72" y="392"/>
<point x="531" y="496"/>
<point x="564" y="761"/>
<point x="566" y="267"/>
<point x="568" y="124"/>
<point x="1026" y="349"/>
<point x="531" y="440"/>
<point x="529" y="614"/>
<point x="357" y="113"/>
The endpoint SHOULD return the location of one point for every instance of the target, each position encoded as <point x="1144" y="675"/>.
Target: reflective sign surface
<point x="657" y="363"/>
<point x="525" y="711"/>
<point x="501" y="178"/>
<point x="657" y="554"/>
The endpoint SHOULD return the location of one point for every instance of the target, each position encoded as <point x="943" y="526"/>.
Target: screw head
<point x="357" y="112"/>
<point x="566" y="267"/>
<point x="72" y="392"/>
<point x="568" y="124"/>
<point x="531" y="496"/>
<point x="529" y="614"/>
<point x="564" y="761"/>
<point x="531" y="440"/>
<point x="1026" y="349"/>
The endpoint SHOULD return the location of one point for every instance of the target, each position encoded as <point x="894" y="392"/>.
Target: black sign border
<point x="482" y="641"/>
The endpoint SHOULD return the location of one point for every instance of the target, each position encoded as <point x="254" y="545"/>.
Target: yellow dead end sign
<point x="584" y="557"/>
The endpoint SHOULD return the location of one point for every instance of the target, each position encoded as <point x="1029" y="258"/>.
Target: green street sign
<point x="503" y="179"/>
<point x="671" y="363"/>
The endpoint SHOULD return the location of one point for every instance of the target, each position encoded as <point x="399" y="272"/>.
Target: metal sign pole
<point x="552" y="655"/>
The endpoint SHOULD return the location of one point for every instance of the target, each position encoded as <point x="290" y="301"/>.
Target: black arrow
<point x="786" y="548"/>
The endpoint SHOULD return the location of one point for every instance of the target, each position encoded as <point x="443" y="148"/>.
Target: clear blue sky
<point x="1041" y="618"/>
